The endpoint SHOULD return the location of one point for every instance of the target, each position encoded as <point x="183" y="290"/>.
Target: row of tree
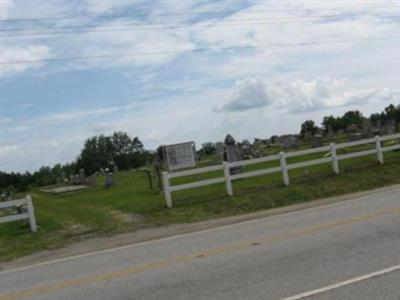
<point x="99" y="152"/>
<point x="118" y="150"/>
<point x="353" y="117"/>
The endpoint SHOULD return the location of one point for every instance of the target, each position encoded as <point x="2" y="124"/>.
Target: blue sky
<point x="264" y="67"/>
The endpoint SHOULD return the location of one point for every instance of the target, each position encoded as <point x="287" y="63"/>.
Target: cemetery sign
<point x="180" y="156"/>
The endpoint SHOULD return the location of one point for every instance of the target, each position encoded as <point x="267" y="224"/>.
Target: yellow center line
<point x="190" y="258"/>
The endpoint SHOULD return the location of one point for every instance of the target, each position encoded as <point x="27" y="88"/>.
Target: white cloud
<point x="20" y="128"/>
<point x="299" y="96"/>
<point x="22" y="54"/>
<point x="74" y="115"/>
<point x="8" y="149"/>
<point x="248" y="93"/>
<point x="25" y="105"/>
<point x="103" y="7"/>
<point x="129" y="36"/>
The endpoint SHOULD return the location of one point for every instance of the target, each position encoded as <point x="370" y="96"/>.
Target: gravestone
<point x="81" y="177"/>
<point x="109" y="181"/>
<point x="391" y="127"/>
<point x="82" y="174"/>
<point x="376" y="131"/>
<point x="262" y="142"/>
<point x="355" y="137"/>
<point x="245" y="149"/>
<point x="220" y="150"/>
<point x="307" y="136"/>
<point x="285" y="142"/>
<point x="316" y="141"/>
<point x="232" y="154"/>
<point x="92" y="181"/>
<point x="180" y="156"/>
<point x="257" y="150"/>
<point x="367" y="129"/>
<point x="289" y="141"/>
<point x="75" y="180"/>
<point x="353" y="128"/>
<point x="330" y="134"/>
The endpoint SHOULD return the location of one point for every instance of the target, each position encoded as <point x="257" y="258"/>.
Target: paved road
<point x="347" y="250"/>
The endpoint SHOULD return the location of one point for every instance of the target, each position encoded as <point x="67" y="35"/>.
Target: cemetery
<point x="110" y="200"/>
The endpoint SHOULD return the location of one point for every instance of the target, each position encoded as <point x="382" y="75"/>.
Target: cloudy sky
<point x="179" y="70"/>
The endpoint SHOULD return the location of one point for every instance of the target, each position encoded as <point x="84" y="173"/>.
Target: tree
<point x="332" y="123"/>
<point x="350" y="118"/>
<point x="208" y="148"/>
<point x="375" y="119"/>
<point x="93" y="155"/>
<point x="392" y="113"/>
<point x="98" y="152"/>
<point x="106" y="151"/>
<point x="308" y="126"/>
<point x="127" y="153"/>
<point x="43" y="176"/>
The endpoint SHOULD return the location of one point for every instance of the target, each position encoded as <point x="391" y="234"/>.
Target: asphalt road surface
<point x="347" y="250"/>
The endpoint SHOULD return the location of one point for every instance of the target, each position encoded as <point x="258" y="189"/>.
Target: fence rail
<point x="29" y="215"/>
<point x="331" y="157"/>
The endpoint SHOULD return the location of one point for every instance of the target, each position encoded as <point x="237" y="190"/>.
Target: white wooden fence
<point x="29" y="215"/>
<point x="284" y="167"/>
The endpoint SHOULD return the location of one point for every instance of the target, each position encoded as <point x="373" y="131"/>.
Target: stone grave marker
<point x="367" y="129"/>
<point x="316" y="141"/>
<point x="109" y="180"/>
<point x="232" y="153"/>
<point x="220" y="150"/>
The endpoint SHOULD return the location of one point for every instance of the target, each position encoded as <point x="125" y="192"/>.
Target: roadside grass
<point x="131" y="205"/>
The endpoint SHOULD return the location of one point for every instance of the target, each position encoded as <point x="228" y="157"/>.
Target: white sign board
<point x="181" y="156"/>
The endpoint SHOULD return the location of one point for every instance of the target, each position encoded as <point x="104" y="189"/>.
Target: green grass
<point x="130" y="205"/>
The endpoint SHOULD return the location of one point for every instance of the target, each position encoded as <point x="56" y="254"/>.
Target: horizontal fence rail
<point x="331" y="156"/>
<point x="28" y="215"/>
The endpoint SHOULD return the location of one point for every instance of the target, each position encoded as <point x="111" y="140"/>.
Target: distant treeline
<point x="354" y="117"/>
<point x="99" y="152"/>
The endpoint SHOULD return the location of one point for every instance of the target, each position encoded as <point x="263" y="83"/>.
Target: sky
<point x="172" y="71"/>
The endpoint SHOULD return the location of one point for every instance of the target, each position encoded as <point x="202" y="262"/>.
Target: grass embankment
<point x="130" y="204"/>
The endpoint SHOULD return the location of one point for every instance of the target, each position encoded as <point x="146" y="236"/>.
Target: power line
<point x="343" y="15"/>
<point x="150" y="27"/>
<point x="196" y="14"/>
<point x="192" y="26"/>
<point x="207" y="2"/>
<point x="144" y="14"/>
<point x="49" y="60"/>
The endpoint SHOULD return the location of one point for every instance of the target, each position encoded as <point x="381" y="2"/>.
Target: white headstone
<point x="181" y="156"/>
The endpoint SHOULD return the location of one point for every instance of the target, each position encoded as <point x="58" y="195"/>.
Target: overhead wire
<point x="194" y="50"/>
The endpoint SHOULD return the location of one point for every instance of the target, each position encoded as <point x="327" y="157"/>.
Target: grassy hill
<point x="131" y="205"/>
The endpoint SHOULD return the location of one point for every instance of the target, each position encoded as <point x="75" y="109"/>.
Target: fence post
<point x="228" y="181"/>
<point x="284" y="168"/>
<point x="167" y="190"/>
<point x="31" y="213"/>
<point x="379" y="150"/>
<point x="335" y="160"/>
